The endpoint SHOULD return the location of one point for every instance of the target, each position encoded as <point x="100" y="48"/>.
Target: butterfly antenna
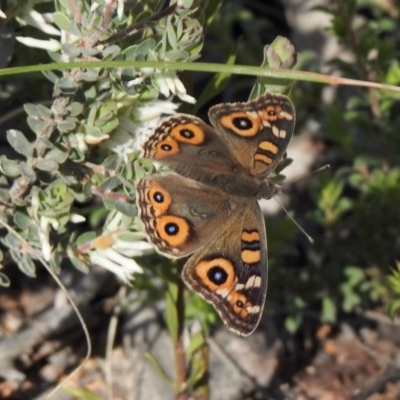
<point x="299" y="178"/>
<point x="310" y="239"/>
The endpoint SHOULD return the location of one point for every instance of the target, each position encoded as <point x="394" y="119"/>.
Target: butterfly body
<point x="208" y="204"/>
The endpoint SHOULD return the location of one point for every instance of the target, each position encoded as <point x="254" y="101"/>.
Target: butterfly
<point x="208" y="203"/>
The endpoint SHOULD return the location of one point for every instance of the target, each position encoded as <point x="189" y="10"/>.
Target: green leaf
<point x="350" y="298"/>
<point x="71" y="50"/>
<point x="172" y="40"/>
<point x="68" y="125"/>
<point x="329" y="310"/>
<point x="79" y="264"/>
<point x="85" y="238"/>
<point x="36" y="124"/>
<point x="393" y="74"/>
<point x="355" y="275"/>
<point x="196" y="342"/>
<point x="157" y="367"/>
<point x="51" y="76"/>
<point x="211" y="10"/>
<point x="19" y="143"/>
<point x="9" y="168"/>
<point x="65" y="86"/>
<point x="55" y="262"/>
<point x="4" y="280"/>
<point x="22" y="220"/>
<point x="199" y="369"/>
<point x="81" y="393"/>
<point x="292" y="323"/>
<point x="28" y="171"/>
<point x="58" y="154"/>
<point x="46" y="165"/>
<point x="43" y="112"/>
<point x="110" y="184"/>
<point x="27" y="266"/>
<point x="343" y="206"/>
<point x="75" y="109"/>
<point x="126" y="208"/>
<point x="61" y="20"/>
<point x="394" y="308"/>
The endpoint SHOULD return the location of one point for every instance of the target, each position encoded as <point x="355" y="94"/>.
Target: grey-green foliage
<point x="90" y="133"/>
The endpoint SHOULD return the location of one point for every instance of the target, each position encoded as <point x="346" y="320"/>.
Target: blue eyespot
<point x="166" y="147"/>
<point x="171" y="229"/>
<point x="217" y="275"/>
<point x="242" y="123"/>
<point x="158" y="197"/>
<point x="186" y="133"/>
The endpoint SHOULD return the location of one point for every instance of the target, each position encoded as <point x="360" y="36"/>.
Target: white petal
<point x="44" y="241"/>
<point x="187" y="98"/>
<point x="116" y="263"/>
<point x="120" y="9"/>
<point x="36" y="19"/>
<point x="76" y="218"/>
<point x="180" y="87"/>
<point x="133" y="249"/>
<point x="80" y="142"/>
<point x="114" y="221"/>
<point x="170" y="81"/>
<point x="94" y="139"/>
<point x="162" y="84"/>
<point x="51" y="44"/>
<point x="135" y="81"/>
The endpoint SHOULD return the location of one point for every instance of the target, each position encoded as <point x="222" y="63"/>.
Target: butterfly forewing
<point x="174" y="223"/>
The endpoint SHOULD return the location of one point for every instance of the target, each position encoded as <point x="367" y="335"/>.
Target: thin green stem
<point x="180" y="356"/>
<point x="205" y="67"/>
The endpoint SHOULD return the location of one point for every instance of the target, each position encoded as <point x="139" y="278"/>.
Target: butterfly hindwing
<point x="230" y="272"/>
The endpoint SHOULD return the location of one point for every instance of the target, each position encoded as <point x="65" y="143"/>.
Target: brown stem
<point x="140" y="25"/>
<point x="73" y="6"/>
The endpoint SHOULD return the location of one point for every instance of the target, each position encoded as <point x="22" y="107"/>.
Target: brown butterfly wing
<point x="258" y="132"/>
<point x="180" y="215"/>
<point x="187" y="140"/>
<point x="230" y="272"/>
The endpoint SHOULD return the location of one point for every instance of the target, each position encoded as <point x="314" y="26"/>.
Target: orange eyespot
<point x="271" y="113"/>
<point x="244" y="124"/>
<point x="188" y="133"/>
<point x="159" y="198"/>
<point x="166" y="148"/>
<point x="239" y="303"/>
<point x="218" y="273"/>
<point x="173" y="230"/>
